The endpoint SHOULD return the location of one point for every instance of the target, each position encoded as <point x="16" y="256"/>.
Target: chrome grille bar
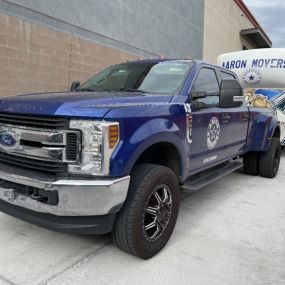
<point x="54" y="138"/>
<point x="46" y="144"/>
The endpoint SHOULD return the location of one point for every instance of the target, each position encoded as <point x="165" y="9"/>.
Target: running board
<point x="197" y="182"/>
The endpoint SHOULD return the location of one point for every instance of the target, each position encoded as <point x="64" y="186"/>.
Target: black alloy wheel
<point x="148" y="217"/>
<point x="157" y="212"/>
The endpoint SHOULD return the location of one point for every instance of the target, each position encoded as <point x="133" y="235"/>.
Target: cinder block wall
<point x="34" y="58"/>
<point x="45" y="45"/>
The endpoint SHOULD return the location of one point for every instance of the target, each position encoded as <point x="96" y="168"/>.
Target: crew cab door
<point x="209" y="124"/>
<point x="237" y="125"/>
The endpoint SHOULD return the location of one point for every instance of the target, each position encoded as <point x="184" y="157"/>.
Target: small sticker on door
<point x="210" y="159"/>
<point x="238" y="98"/>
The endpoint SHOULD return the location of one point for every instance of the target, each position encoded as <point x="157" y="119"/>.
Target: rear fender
<point x="263" y="127"/>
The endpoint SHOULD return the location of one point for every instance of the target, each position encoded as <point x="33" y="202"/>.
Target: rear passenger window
<point x="227" y="75"/>
<point x="206" y="81"/>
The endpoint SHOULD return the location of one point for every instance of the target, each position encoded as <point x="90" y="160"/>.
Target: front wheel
<point x="148" y="217"/>
<point x="269" y="161"/>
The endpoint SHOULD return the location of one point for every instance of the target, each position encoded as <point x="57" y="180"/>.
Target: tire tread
<point x="265" y="162"/>
<point x="122" y="233"/>
<point x="251" y="161"/>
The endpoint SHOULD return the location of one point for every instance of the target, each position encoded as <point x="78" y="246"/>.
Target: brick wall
<point x="35" y="58"/>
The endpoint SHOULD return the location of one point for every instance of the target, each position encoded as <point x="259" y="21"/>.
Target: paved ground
<point x="232" y="232"/>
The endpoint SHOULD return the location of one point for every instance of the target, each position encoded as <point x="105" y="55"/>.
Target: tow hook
<point x="39" y="198"/>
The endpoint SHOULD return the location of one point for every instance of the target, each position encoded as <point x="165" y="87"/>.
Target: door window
<point x="207" y="81"/>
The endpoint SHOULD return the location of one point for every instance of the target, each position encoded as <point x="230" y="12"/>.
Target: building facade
<point x="229" y="26"/>
<point x="45" y="45"/>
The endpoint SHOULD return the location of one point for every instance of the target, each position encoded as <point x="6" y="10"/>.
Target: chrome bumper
<point x="76" y="197"/>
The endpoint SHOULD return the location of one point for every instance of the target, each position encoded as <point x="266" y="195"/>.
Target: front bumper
<point x="81" y="197"/>
<point x="66" y="224"/>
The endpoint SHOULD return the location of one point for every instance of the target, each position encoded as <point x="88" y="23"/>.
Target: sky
<point x="271" y="16"/>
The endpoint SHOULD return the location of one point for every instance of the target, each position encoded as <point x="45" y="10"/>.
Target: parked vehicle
<point x="261" y="72"/>
<point x="114" y="154"/>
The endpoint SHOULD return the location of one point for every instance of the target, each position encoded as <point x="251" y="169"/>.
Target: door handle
<point x="245" y="117"/>
<point x="226" y="118"/>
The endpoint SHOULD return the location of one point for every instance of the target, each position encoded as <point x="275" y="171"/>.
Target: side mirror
<point x="198" y="94"/>
<point x="196" y="106"/>
<point x="202" y="94"/>
<point x="74" y="86"/>
<point x="231" y="94"/>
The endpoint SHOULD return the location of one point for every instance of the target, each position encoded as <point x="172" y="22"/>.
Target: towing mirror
<point x="74" y="86"/>
<point x="196" y="106"/>
<point x="231" y="94"/>
<point x="198" y="94"/>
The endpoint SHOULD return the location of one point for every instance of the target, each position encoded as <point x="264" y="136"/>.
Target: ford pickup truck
<point x="113" y="154"/>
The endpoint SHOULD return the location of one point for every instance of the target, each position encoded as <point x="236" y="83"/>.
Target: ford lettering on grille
<point x="7" y="139"/>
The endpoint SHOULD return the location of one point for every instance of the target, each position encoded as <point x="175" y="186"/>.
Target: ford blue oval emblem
<point x="7" y="139"/>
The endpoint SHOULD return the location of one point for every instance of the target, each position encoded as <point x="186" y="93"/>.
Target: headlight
<point x="99" y="140"/>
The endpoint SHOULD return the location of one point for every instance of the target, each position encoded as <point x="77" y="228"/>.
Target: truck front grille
<point x="33" y="121"/>
<point x="44" y="144"/>
<point x="35" y="164"/>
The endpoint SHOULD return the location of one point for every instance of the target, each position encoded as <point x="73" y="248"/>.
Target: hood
<point x="77" y="104"/>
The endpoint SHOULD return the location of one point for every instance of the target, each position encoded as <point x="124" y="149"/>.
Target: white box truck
<point x="262" y="75"/>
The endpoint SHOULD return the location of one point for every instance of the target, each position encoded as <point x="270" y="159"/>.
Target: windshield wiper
<point x="132" y="90"/>
<point x="111" y="90"/>
<point x="85" y="90"/>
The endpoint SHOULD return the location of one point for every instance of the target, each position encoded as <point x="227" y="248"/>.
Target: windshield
<point x="160" y="78"/>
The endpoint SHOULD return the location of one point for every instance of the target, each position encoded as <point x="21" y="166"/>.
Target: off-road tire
<point x="129" y="233"/>
<point x="269" y="161"/>
<point x="251" y="163"/>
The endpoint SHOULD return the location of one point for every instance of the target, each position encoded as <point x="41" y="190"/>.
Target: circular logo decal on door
<point x="213" y="133"/>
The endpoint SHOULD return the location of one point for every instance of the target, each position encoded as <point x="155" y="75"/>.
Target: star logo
<point x="252" y="77"/>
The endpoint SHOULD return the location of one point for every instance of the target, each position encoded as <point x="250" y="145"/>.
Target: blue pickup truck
<point x="113" y="154"/>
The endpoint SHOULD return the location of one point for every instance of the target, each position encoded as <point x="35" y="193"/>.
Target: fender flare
<point x="270" y="136"/>
<point x="169" y="138"/>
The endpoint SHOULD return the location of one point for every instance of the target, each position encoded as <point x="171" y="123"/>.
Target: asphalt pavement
<point x="230" y="233"/>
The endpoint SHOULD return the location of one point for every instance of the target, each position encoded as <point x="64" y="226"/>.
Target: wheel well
<point x="276" y="133"/>
<point x="164" y="154"/>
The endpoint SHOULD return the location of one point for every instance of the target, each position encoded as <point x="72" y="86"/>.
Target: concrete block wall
<point x="169" y="27"/>
<point x="45" y="45"/>
<point x="34" y="58"/>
